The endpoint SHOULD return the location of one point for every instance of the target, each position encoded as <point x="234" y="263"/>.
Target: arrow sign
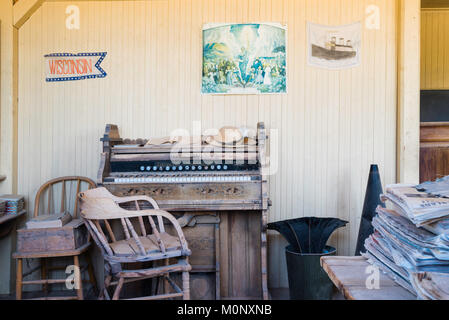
<point x="71" y="67"/>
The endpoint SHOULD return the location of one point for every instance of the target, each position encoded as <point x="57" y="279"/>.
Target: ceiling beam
<point x="23" y="10"/>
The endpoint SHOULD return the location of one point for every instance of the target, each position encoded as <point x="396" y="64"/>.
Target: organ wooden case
<point x="219" y="194"/>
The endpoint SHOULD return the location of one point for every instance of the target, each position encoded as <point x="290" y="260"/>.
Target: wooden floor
<point x="88" y="295"/>
<point x="276" y="294"/>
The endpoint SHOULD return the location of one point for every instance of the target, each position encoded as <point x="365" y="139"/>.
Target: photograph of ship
<point x="244" y="59"/>
<point x="334" y="50"/>
<point x="334" y="47"/>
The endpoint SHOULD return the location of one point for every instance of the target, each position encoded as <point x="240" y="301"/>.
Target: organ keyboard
<point x="139" y="179"/>
<point x="202" y="179"/>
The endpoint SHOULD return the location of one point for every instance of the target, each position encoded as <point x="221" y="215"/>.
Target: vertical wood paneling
<point x="331" y="125"/>
<point x="435" y="49"/>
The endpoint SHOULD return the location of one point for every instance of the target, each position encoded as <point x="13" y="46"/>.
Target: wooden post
<point x="409" y="91"/>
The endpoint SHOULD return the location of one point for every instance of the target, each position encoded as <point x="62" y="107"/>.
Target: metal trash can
<point x="307" y="279"/>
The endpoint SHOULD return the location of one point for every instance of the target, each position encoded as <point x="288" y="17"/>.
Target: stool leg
<point x="78" y="281"/>
<point x="185" y="285"/>
<point x="19" y="279"/>
<point x="44" y="274"/>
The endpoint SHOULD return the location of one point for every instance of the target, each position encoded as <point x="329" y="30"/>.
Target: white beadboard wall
<point x="332" y="124"/>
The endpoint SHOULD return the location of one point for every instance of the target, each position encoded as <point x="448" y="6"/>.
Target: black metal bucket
<point x="306" y="278"/>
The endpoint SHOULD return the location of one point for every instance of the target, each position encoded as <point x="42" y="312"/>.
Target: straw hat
<point x="227" y="136"/>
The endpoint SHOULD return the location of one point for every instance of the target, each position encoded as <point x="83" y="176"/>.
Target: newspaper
<point x="439" y="227"/>
<point x="405" y="253"/>
<point x="431" y="286"/>
<point x="382" y="259"/>
<point x="411" y="239"/>
<point x="419" y="207"/>
<point x="439" y="188"/>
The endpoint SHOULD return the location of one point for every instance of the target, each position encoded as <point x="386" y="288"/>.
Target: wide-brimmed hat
<point x="226" y="136"/>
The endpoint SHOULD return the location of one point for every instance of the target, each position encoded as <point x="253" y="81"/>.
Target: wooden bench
<point x="349" y="275"/>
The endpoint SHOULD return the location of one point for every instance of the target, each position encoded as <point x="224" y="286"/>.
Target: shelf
<point x="9" y="217"/>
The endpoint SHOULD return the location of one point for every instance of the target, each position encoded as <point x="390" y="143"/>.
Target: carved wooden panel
<point x="194" y="191"/>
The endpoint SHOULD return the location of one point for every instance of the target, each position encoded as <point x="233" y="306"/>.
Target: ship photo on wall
<point x="334" y="47"/>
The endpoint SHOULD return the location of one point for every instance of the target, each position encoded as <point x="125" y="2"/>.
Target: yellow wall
<point x="435" y="49"/>
<point x="332" y="124"/>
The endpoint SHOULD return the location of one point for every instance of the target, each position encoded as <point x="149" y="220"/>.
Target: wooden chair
<point x="100" y="209"/>
<point x="49" y="189"/>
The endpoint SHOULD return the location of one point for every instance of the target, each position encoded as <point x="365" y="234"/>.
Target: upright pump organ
<point x="216" y="187"/>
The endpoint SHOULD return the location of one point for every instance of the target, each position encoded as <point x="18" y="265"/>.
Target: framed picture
<point x="334" y="47"/>
<point x="244" y="59"/>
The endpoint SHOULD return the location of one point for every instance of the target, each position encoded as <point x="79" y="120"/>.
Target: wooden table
<point x="349" y="276"/>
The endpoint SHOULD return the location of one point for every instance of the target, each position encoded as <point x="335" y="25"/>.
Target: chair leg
<point x="78" y="281"/>
<point x="91" y="272"/>
<point x="185" y="285"/>
<point x="156" y="289"/>
<point x="19" y="278"/>
<point x="164" y="279"/>
<point x="104" y="293"/>
<point x="118" y="289"/>
<point x="44" y="275"/>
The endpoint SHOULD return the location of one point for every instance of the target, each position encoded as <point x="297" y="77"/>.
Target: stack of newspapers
<point x="411" y="240"/>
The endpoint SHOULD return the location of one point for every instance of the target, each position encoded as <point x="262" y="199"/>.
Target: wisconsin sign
<point x="70" y="67"/>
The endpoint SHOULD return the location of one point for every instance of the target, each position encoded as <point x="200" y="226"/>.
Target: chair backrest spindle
<point x="125" y="229"/>
<point x="63" y="195"/>
<point x="136" y="237"/>
<point x="143" y="232"/>
<point x="108" y="227"/>
<point x="78" y="186"/>
<point x="50" y="193"/>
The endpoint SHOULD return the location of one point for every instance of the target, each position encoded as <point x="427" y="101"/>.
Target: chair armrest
<point x="120" y="200"/>
<point x="172" y="220"/>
